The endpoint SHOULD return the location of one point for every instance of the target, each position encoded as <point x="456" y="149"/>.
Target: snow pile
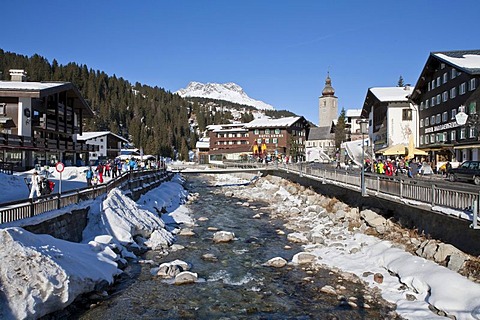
<point x="40" y="274"/>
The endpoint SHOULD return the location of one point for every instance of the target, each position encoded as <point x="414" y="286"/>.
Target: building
<point x="392" y="117"/>
<point x="351" y="123"/>
<point x="109" y="144"/>
<point x="38" y="121"/>
<point x="327" y="105"/>
<point x="279" y="137"/>
<point x="447" y="85"/>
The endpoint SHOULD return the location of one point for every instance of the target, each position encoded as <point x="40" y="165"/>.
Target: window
<point x="462" y="133"/>
<point x="438" y="119"/>
<point x="439" y="100"/>
<point x="453" y="73"/>
<point x="427" y="122"/>
<point x="277" y="131"/>
<point x="275" y="140"/>
<point x="267" y="131"/>
<point x="462" y="88"/>
<point x="259" y="141"/>
<point x="427" y="104"/>
<point x="472" y="108"/>
<point x="421" y="105"/>
<point x="432" y="120"/>
<point x="445" y="77"/>
<point x="406" y="114"/>
<point x="472" y="132"/>
<point x="432" y="101"/>
<point x="421" y="139"/>
<point x="453" y="92"/>
<point x="267" y="140"/>
<point x="421" y="123"/>
<point x="472" y="86"/>
<point x="445" y="96"/>
<point x="445" y="116"/>
<point x="3" y="109"/>
<point x="445" y="137"/>
<point x="453" y="135"/>
<point x="438" y="82"/>
<point x="433" y="84"/>
<point x="429" y="88"/>
<point x="256" y="131"/>
<point x="454" y="113"/>
<point x="442" y="65"/>
<point x="432" y="138"/>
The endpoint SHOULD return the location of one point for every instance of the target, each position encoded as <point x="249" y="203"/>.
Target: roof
<point x="43" y="89"/>
<point x="392" y="94"/>
<point x="320" y="133"/>
<point x="282" y="122"/>
<point x="467" y="60"/>
<point x="353" y="113"/>
<point x="95" y="134"/>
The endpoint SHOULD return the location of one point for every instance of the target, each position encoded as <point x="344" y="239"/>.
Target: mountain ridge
<point x="229" y="91"/>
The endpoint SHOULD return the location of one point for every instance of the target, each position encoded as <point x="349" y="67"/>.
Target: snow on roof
<point x="282" y="122"/>
<point x="465" y="61"/>
<point x="33" y="86"/>
<point x="353" y="113"/>
<point x="392" y="93"/>
<point x="96" y="134"/>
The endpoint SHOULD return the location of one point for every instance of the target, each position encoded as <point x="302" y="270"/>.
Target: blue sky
<point x="278" y="51"/>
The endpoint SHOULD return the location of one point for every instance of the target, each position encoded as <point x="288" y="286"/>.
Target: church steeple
<point x="327" y="105"/>
<point x="328" y="90"/>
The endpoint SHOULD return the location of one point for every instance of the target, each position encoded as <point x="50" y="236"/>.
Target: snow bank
<point x="40" y="274"/>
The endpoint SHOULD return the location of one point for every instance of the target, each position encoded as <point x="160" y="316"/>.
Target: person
<point x="89" y="176"/>
<point x="448" y="168"/>
<point x="35" y="185"/>
<point x="100" y="172"/>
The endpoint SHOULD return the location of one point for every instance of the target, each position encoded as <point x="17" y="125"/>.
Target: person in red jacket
<point x="100" y="172"/>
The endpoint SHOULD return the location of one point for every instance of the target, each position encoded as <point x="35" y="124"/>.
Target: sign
<point x="59" y="166"/>
<point x="461" y="118"/>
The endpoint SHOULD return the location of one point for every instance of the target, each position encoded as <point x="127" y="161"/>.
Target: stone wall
<point x="68" y="226"/>
<point x="437" y="225"/>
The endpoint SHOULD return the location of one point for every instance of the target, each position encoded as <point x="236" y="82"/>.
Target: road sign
<point x="59" y="166"/>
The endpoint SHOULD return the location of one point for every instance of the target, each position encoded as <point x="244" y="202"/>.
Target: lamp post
<point x="363" y="129"/>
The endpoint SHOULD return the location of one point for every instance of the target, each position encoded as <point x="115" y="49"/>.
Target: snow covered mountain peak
<point x="229" y="91"/>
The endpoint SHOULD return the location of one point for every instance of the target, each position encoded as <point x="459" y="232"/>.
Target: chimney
<point x="407" y="87"/>
<point x="18" y="75"/>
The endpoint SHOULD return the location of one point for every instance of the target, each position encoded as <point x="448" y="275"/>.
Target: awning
<point x="395" y="150"/>
<point x="474" y="146"/>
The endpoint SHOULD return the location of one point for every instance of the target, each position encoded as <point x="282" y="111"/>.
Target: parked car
<point x="467" y="171"/>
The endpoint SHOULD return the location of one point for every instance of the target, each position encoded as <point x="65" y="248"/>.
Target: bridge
<point x="427" y="192"/>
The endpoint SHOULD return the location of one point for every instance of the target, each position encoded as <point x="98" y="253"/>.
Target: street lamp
<point x="363" y="129"/>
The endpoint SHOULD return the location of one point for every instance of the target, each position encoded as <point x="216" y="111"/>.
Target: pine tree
<point x="400" y="82"/>
<point x="340" y="134"/>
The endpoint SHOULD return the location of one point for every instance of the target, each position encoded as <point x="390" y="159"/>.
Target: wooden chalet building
<point x="281" y="137"/>
<point x="449" y="84"/>
<point x="38" y="121"/>
<point x="109" y="144"/>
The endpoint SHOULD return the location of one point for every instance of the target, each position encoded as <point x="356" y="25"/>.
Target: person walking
<point x="89" y="176"/>
<point x="35" y="185"/>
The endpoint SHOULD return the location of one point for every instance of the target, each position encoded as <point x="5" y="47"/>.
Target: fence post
<point x="433" y="195"/>
<point x="378" y="184"/>
<point x="401" y="188"/>
<point x="32" y="208"/>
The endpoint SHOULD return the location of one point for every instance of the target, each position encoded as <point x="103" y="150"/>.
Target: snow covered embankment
<point x="40" y="274"/>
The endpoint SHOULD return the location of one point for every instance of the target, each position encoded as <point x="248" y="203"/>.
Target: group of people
<point x="394" y="167"/>
<point x="40" y="185"/>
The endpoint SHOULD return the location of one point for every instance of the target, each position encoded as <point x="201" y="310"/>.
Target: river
<point x="234" y="283"/>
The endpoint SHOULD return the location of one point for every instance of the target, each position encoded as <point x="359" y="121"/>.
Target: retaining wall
<point x="437" y="225"/>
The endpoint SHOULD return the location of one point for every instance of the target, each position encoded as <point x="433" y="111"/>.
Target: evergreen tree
<point x="400" y="82"/>
<point x="340" y="133"/>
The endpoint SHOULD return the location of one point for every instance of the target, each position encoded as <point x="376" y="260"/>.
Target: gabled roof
<point x="391" y="94"/>
<point x="320" y="133"/>
<point x="42" y="89"/>
<point x="95" y="134"/>
<point x="280" y="123"/>
<point x="465" y="60"/>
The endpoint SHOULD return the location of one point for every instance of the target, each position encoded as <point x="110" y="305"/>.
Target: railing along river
<point x="132" y="180"/>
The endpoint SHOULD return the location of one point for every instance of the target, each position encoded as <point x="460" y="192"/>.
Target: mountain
<point x="222" y="91"/>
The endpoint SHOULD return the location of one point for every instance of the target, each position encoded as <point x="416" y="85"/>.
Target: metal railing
<point x="133" y="181"/>
<point x="414" y="190"/>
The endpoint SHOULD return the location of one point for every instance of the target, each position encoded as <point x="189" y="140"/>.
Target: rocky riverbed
<point x="274" y="250"/>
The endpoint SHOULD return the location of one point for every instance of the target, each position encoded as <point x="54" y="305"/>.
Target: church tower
<point x="327" y="105"/>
